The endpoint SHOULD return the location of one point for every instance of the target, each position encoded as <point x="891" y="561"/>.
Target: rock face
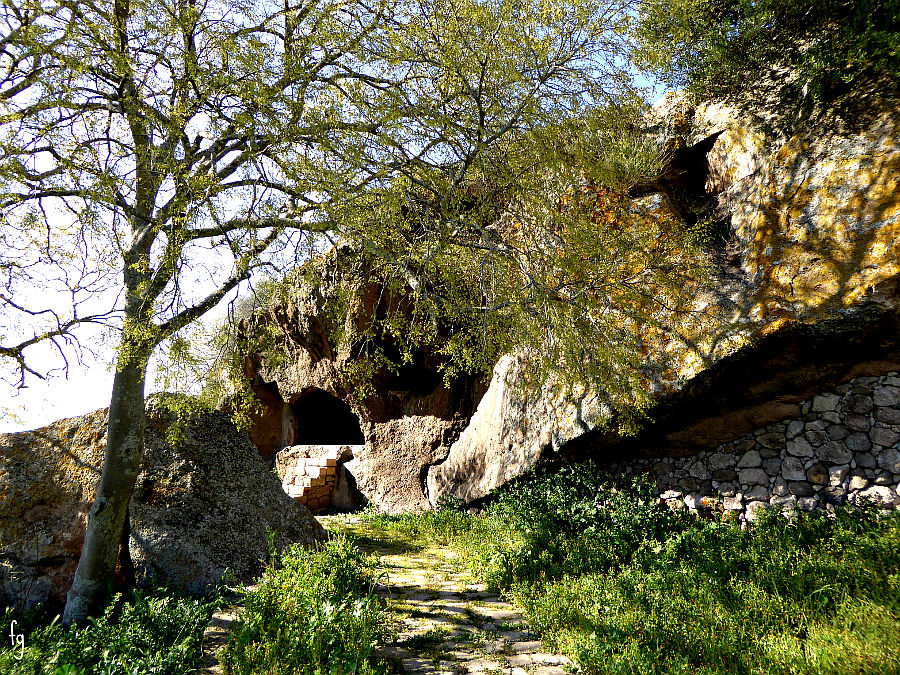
<point x="807" y="298"/>
<point x="199" y="507"/>
<point x="406" y="424"/>
<point x="514" y="426"/>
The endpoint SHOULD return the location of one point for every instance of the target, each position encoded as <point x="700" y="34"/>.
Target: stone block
<point x="772" y="466"/>
<point x="818" y="474"/>
<point x="884" y="437"/>
<point x="837" y="432"/>
<point x="772" y="440"/>
<point x="735" y="503"/>
<point x="801" y="489"/>
<point x="889" y="460"/>
<point x="866" y="460"/>
<point x="807" y="503"/>
<point x="724" y="475"/>
<point x="757" y="492"/>
<point x="800" y="447"/>
<point x="781" y="487"/>
<point x="753" y="510"/>
<point x="883" y="477"/>
<point x="857" y="423"/>
<point x="834" y="453"/>
<point x="878" y="494"/>
<point x="887" y="396"/>
<point x="698" y="470"/>
<point x="857" y="403"/>
<point x="794" y="428"/>
<point x="727" y="489"/>
<point x="816" y="438"/>
<point x="749" y="460"/>
<point x="858" y="483"/>
<point x="793" y="469"/>
<point x="753" y="477"/>
<point x="835" y="495"/>
<point x="857" y="442"/>
<point x="887" y="415"/>
<point x="743" y="444"/>
<point x="837" y="475"/>
<point x="719" y="461"/>
<point x="825" y="402"/>
<point x="770" y="453"/>
<point x="784" y="502"/>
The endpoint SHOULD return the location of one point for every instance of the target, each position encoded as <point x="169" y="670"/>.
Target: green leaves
<point x="824" y="49"/>
<point x="315" y="612"/>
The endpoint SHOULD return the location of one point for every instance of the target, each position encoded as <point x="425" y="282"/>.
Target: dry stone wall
<point x="844" y="447"/>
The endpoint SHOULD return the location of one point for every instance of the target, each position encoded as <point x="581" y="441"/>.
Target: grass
<point x="313" y="613"/>
<point x="622" y="584"/>
<point x="158" y="632"/>
<point x="605" y="574"/>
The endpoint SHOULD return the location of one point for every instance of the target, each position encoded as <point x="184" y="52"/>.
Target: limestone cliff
<point x="806" y="298"/>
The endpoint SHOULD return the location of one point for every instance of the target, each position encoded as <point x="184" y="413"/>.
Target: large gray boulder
<point x="200" y="506"/>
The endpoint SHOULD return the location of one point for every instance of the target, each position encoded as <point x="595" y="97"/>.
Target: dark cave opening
<point x="322" y="419"/>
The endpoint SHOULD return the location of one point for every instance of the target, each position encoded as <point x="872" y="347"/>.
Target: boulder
<point x="199" y="507"/>
<point x="391" y="470"/>
<point x="513" y="427"/>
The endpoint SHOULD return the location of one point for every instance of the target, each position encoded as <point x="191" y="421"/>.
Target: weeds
<point x="622" y="584"/>
<point x="314" y="612"/>
<point x="158" y="632"/>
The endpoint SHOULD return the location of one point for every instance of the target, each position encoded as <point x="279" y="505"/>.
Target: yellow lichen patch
<point x="821" y="230"/>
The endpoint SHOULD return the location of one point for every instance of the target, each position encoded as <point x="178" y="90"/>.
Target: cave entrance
<point x="322" y="419"/>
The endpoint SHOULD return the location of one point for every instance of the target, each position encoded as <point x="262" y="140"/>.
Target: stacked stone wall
<point x="844" y="447"/>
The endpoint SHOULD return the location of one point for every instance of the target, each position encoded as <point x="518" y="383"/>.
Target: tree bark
<point x="92" y="584"/>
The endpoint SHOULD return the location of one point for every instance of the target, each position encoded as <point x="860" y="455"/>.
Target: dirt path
<point x="446" y="622"/>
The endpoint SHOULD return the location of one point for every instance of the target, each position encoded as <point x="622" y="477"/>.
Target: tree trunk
<point x="124" y="449"/>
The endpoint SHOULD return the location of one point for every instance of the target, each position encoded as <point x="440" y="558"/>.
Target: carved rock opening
<point x="322" y="419"/>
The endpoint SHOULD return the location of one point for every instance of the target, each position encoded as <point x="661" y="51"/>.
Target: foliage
<point x="314" y="612"/>
<point x="719" y="48"/>
<point x="621" y="584"/>
<point x="158" y="155"/>
<point x="158" y="633"/>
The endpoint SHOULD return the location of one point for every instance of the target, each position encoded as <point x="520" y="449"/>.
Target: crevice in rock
<point x="448" y="438"/>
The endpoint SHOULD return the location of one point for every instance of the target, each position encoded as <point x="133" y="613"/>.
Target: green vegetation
<point x="314" y="612"/>
<point x="623" y="584"/>
<point x="718" y="48"/>
<point x="158" y="633"/>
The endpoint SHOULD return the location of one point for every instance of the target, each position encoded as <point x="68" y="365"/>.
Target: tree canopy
<point x="165" y="151"/>
<point x="827" y="48"/>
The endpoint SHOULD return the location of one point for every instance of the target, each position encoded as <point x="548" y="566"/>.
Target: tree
<point x="824" y="49"/>
<point x="171" y="148"/>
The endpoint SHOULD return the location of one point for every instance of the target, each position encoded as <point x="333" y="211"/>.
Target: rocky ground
<point x="445" y="621"/>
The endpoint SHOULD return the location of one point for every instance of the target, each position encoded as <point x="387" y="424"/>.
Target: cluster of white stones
<point x="844" y="448"/>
